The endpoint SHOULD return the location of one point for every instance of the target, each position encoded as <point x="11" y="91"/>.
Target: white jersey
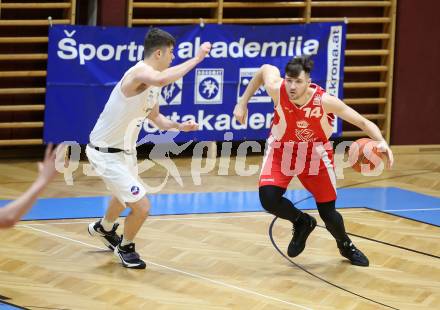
<point x="120" y="122"/>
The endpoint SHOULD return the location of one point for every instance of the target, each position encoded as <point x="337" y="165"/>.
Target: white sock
<point x="107" y="225"/>
<point x="125" y="241"/>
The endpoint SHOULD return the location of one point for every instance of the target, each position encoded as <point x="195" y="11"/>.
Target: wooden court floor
<point x="224" y="261"/>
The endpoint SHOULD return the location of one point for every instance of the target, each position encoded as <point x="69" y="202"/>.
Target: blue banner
<point x="85" y="63"/>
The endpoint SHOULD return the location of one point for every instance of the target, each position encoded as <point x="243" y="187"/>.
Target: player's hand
<point x="240" y="112"/>
<point x="203" y="51"/>
<point x="46" y="169"/>
<point x="383" y="147"/>
<point x="188" y="126"/>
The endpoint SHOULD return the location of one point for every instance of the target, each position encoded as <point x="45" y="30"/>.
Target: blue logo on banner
<point x="172" y="94"/>
<point x="208" y="88"/>
<point x="245" y="77"/>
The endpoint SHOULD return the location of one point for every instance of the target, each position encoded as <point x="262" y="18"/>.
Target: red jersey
<point x="297" y="146"/>
<point x="308" y="123"/>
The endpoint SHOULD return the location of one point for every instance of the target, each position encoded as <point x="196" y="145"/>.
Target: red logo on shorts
<point x="134" y="190"/>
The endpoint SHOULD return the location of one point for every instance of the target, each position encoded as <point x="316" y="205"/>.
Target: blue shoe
<point x="109" y="238"/>
<point x="129" y="257"/>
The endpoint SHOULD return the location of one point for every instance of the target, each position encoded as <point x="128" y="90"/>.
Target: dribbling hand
<point x="384" y="148"/>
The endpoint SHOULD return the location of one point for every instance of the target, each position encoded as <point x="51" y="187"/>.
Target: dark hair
<point x="156" y="39"/>
<point x="298" y="64"/>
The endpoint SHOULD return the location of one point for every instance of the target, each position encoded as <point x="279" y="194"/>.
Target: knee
<point x="327" y="211"/>
<point x="269" y="197"/>
<point x="141" y="207"/>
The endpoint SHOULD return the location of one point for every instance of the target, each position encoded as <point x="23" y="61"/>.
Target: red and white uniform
<point x="298" y="146"/>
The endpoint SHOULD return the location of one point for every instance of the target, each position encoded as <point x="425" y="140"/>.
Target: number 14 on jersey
<point x="313" y="112"/>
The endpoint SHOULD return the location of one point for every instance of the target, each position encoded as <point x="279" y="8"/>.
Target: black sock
<point x="333" y="221"/>
<point x="272" y="200"/>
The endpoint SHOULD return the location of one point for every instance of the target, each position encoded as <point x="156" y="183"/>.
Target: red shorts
<point x="312" y="163"/>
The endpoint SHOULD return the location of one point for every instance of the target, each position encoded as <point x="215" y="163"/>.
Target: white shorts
<point x="119" y="173"/>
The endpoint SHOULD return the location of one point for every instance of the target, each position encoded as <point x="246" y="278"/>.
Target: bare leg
<point x="115" y="208"/>
<point x="138" y="215"/>
<point x="105" y="229"/>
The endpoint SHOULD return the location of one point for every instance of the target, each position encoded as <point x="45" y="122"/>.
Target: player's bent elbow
<point x="161" y="82"/>
<point x="162" y="79"/>
<point x="267" y="66"/>
<point x="158" y="81"/>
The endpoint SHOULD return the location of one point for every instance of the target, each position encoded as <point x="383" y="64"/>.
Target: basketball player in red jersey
<point x="298" y="146"/>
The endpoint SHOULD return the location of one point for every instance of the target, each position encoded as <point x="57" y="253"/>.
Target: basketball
<point x="364" y="156"/>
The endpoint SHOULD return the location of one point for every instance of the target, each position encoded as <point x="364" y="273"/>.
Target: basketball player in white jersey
<point x="302" y="124"/>
<point x="112" y="151"/>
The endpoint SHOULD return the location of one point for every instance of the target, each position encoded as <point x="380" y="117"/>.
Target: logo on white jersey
<point x="171" y="94"/>
<point x="245" y="77"/>
<point x="209" y="86"/>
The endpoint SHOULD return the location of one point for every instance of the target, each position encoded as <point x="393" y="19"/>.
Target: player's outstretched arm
<point x="149" y="76"/>
<point x="164" y="123"/>
<point x="12" y="213"/>
<point x="336" y="106"/>
<point x="267" y="75"/>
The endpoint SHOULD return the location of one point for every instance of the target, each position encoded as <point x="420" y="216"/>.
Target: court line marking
<point x="193" y="275"/>
<point x="205" y="216"/>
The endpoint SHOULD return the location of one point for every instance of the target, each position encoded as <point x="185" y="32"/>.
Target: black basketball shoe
<point x="109" y="238"/>
<point x="353" y="254"/>
<point x="301" y="231"/>
<point x="129" y="257"/>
